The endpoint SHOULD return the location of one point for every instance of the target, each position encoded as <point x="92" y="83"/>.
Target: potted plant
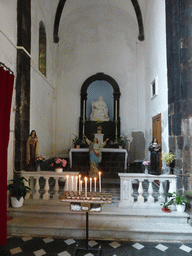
<point x="165" y="207"/>
<point x="168" y="158"/>
<point x="180" y="201"/>
<point x="121" y="141"/>
<point x="58" y="164"/>
<point x="76" y="141"/>
<point x="18" y="191"/>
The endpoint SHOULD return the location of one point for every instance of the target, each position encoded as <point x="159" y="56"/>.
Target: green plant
<point x="166" y="204"/>
<point x="122" y="140"/>
<point x="76" y="140"/>
<point x="17" y="187"/>
<point x="168" y="158"/>
<point x="179" y="199"/>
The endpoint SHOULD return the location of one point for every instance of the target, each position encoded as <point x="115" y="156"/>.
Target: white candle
<point x="67" y="185"/>
<point x="72" y="183"/>
<point x="95" y="184"/>
<point x="84" y="110"/>
<point x="90" y="184"/>
<point x="99" y="181"/>
<point x="81" y="185"/>
<point x="85" y="187"/>
<point x="116" y="110"/>
<point x="76" y="183"/>
<point x="79" y="182"/>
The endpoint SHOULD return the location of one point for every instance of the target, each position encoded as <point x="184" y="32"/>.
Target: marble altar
<point x="112" y="150"/>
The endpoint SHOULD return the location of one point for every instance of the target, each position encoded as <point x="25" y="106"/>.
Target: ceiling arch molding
<point x="60" y="8"/>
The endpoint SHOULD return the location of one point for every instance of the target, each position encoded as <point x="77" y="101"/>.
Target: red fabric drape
<point x="6" y="90"/>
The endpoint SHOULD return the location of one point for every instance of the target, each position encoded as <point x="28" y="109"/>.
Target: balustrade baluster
<point x="46" y="195"/>
<point x="172" y="185"/>
<point x="140" y="198"/>
<point x="56" y="189"/>
<point x="150" y="198"/>
<point x="161" y="198"/>
<point x="37" y="187"/>
<point x="132" y="197"/>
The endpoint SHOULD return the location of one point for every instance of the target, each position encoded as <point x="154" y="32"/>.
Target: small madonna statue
<point x="99" y="110"/>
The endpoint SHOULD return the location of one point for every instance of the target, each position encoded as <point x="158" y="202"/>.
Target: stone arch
<point x="116" y="100"/>
<point x="60" y="8"/>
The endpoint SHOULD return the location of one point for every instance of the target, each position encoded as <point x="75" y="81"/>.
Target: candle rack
<point x="86" y="202"/>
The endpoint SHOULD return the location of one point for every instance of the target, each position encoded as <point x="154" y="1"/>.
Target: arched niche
<point x="112" y="127"/>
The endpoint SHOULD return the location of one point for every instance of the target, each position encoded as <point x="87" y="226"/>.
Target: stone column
<point x="179" y="60"/>
<point x="22" y="116"/>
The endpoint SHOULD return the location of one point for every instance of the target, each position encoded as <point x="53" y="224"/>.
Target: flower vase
<point x="146" y="169"/>
<point x="58" y="169"/>
<point x="167" y="169"/>
<point x="38" y="167"/>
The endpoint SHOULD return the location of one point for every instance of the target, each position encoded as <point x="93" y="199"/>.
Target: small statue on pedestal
<point x="32" y="151"/>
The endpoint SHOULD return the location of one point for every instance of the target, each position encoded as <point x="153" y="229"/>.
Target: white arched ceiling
<point x="93" y="31"/>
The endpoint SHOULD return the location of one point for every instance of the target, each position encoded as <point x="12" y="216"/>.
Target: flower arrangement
<point x="168" y="158"/>
<point x="39" y="158"/>
<point x="58" y="162"/>
<point x="146" y="163"/>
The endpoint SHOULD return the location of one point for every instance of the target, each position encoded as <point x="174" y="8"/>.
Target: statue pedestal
<point x="99" y="136"/>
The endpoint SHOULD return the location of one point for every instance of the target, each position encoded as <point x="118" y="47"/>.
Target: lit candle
<point x="85" y="187"/>
<point x="90" y="184"/>
<point x="95" y="183"/>
<point x="76" y="183"/>
<point x="72" y="183"/>
<point x="81" y="185"/>
<point x="79" y="181"/>
<point x="99" y="181"/>
<point x="67" y="185"/>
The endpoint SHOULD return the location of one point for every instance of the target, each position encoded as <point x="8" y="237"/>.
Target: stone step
<point x="55" y="219"/>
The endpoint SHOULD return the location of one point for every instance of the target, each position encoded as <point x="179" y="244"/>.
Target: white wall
<point x="156" y="66"/>
<point x="43" y="88"/>
<point x="8" y="39"/>
<point x="99" y="38"/>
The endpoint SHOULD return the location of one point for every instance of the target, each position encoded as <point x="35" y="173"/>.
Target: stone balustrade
<point x="144" y="190"/>
<point x="34" y="183"/>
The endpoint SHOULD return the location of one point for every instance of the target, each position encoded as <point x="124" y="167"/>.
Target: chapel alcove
<point x="97" y="85"/>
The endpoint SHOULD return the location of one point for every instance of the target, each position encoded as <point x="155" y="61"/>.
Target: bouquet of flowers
<point x="146" y="163"/>
<point x="168" y="158"/>
<point x="58" y="162"/>
<point x="39" y="158"/>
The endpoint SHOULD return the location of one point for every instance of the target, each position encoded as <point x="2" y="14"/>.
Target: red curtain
<point x="6" y="90"/>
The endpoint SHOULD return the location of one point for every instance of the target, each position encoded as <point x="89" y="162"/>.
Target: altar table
<point x="110" y="150"/>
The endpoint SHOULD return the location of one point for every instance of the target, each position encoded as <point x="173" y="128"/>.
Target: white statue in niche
<point x="99" y="110"/>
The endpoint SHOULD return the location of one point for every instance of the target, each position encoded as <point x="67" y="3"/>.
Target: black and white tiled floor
<point x="39" y="246"/>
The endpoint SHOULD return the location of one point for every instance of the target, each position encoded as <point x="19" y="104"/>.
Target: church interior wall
<point x="8" y="42"/>
<point x="43" y="88"/>
<point x="92" y="40"/>
<point x="156" y="68"/>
